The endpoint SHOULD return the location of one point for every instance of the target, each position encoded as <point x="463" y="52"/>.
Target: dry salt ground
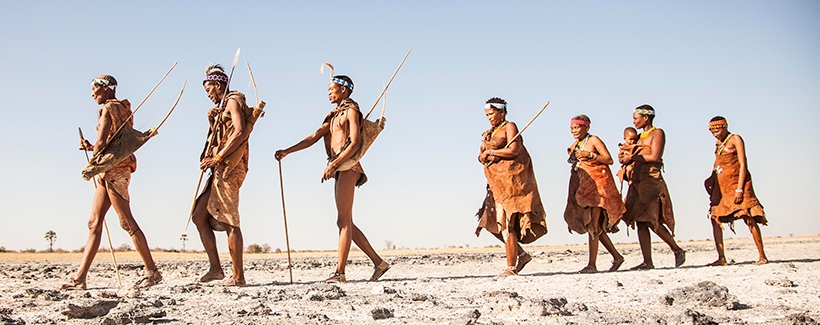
<point x="431" y="287"/>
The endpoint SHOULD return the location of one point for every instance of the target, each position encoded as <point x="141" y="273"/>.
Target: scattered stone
<point x="137" y="313"/>
<point x="318" y="317"/>
<point x="129" y="292"/>
<point x="108" y="295"/>
<point x="52" y="295"/>
<point x="619" y="284"/>
<point x="576" y="307"/>
<point x="502" y="293"/>
<point x="692" y="317"/>
<point x="96" y="309"/>
<point x="188" y="288"/>
<point x="322" y="291"/>
<point x="377" y="289"/>
<point x="260" y="310"/>
<point x="470" y="318"/>
<point x="556" y="306"/>
<point x="656" y="281"/>
<point x="6" y="319"/>
<point x="419" y="297"/>
<point x="706" y="293"/>
<point x="799" y="319"/>
<point x="381" y="313"/>
<point x="786" y="283"/>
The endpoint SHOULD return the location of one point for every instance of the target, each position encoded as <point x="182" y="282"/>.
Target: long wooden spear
<point x="105" y="224"/>
<point x="212" y="139"/>
<point x="388" y="85"/>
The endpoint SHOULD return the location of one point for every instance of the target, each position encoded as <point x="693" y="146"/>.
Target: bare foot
<point x="588" y="269"/>
<point x="73" y="284"/>
<point x="336" y="277"/>
<point x="231" y="282"/>
<point x="616" y="264"/>
<point x="379" y="270"/>
<point x="719" y="262"/>
<point x="510" y="271"/>
<point x="762" y="261"/>
<point x="643" y="266"/>
<point x="150" y="279"/>
<point x="680" y="257"/>
<point x="522" y="262"/>
<point x="212" y="275"/>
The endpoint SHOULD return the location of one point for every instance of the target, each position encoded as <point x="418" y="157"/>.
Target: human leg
<point x="344" y="190"/>
<point x="99" y="206"/>
<point x="235" y="246"/>
<point x="666" y="236"/>
<point x="645" y="241"/>
<point x="593" y="234"/>
<point x="208" y="238"/>
<point x="717" y="232"/>
<point x="758" y="238"/>
<point x="617" y="258"/>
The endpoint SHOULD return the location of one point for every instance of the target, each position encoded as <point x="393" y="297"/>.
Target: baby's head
<point x="630" y="136"/>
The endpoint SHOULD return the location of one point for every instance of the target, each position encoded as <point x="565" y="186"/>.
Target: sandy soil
<point x="455" y="286"/>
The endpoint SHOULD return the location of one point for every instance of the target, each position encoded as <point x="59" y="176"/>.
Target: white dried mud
<point x="436" y="288"/>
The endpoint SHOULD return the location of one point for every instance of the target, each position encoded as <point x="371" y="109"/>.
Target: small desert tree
<point x="183" y="238"/>
<point x="51" y="236"/>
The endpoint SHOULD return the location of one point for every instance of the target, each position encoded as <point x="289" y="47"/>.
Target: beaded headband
<point x="103" y="82"/>
<point x="216" y="77"/>
<point x="495" y="105"/>
<point x="644" y="111"/>
<point x="343" y="83"/>
<point x="581" y="122"/>
<point x="719" y="124"/>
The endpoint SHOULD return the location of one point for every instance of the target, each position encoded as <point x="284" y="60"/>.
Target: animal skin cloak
<point x="228" y="175"/>
<point x="648" y="197"/>
<point x="591" y="185"/>
<point x="721" y="187"/>
<point x="513" y="192"/>
<point x="119" y="177"/>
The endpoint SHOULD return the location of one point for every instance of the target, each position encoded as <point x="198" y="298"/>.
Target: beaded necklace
<point x="723" y="144"/>
<point x="498" y="128"/>
<point x="646" y="133"/>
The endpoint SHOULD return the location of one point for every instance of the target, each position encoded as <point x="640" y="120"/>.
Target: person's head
<point x="630" y="135"/>
<point x="496" y="110"/>
<point x="103" y="88"/>
<point x="643" y="116"/>
<point x="339" y="88"/>
<point x="719" y="127"/>
<point x="579" y="126"/>
<point x="215" y="83"/>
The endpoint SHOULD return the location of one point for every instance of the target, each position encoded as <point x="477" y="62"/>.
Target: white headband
<point x="103" y="82"/>
<point x="495" y="105"/>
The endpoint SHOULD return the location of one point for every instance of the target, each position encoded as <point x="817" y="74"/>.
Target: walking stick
<point x="211" y="139"/>
<point x="285" y="216"/>
<point x="105" y="224"/>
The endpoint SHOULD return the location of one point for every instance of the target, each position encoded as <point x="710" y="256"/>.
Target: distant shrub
<point x="278" y="250"/>
<point x="123" y="248"/>
<point x="28" y="250"/>
<point x="254" y="249"/>
<point x="60" y="250"/>
<point x="2" y="249"/>
<point x="265" y="248"/>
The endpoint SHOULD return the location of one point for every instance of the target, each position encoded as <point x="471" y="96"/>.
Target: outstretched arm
<point x="305" y="143"/>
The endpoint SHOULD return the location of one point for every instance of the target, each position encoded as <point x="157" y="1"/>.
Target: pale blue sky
<point x="755" y="62"/>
